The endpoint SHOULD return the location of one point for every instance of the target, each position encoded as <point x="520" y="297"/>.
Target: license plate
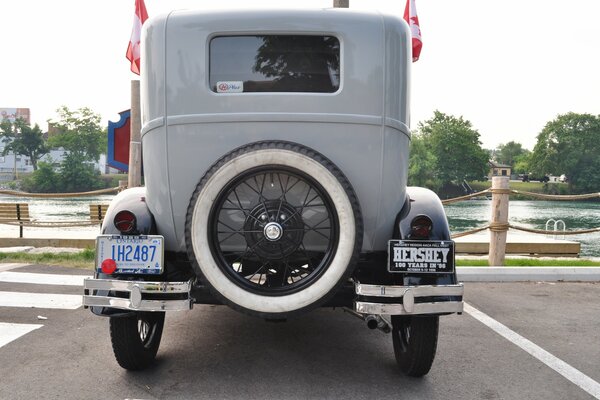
<point x="421" y="256"/>
<point x="132" y="254"/>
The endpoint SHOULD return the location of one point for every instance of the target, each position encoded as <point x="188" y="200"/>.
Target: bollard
<point x="499" y="220"/>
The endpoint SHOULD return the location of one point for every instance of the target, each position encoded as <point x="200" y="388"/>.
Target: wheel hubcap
<point x="273" y="231"/>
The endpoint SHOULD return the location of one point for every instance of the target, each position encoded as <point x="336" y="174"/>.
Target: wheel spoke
<point x="240" y="209"/>
<point x="273" y="264"/>
<point x="233" y="231"/>
<point x="315" y="229"/>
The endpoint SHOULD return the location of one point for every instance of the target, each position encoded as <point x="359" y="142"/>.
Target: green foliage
<point x="522" y="162"/>
<point x="80" y="133"/>
<point x="76" y="175"/>
<point x="570" y="144"/>
<point x="84" y="259"/>
<point x="421" y="164"/>
<point x="44" y="180"/>
<point x="510" y="153"/>
<point x="20" y="138"/>
<point x="455" y="148"/>
<point x="83" y="139"/>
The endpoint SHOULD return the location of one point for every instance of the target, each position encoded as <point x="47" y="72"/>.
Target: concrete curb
<point x="528" y="274"/>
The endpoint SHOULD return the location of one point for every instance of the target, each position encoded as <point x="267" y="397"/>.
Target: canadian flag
<point x="133" y="50"/>
<point x="410" y="16"/>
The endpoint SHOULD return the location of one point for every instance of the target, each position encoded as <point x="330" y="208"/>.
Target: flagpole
<point x="134" y="177"/>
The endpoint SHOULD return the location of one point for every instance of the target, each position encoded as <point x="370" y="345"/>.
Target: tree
<point x="522" y="162"/>
<point x="509" y="153"/>
<point x="299" y="63"/>
<point x="77" y="175"/>
<point x="79" y="133"/>
<point x="456" y="148"/>
<point x="43" y="180"/>
<point x="20" y="138"/>
<point x="570" y="145"/>
<point x="421" y="164"/>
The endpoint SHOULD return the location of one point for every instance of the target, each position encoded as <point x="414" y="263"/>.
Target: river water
<point x="472" y="214"/>
<point x="462" y="216"/>
<point x="46" y="210"/>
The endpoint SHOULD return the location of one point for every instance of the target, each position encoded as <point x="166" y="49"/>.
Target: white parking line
<point x="10" y="332"/>
<point x="9" y="266"/>
<point x="42" y="279"/>
<point x="574" y="375"/>
<point x="40" y="300"/>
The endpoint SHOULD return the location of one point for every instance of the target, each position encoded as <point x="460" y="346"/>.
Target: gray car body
<point x="362" y="127"/>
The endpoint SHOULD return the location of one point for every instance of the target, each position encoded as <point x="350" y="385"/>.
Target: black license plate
<point x="421" y="256"/>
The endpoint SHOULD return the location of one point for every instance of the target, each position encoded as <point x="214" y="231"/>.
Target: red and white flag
<point x="410" y="16"/>
<point x="133" y="50"/>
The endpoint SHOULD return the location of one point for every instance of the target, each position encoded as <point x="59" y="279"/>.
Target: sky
<point x="508" y="66"/>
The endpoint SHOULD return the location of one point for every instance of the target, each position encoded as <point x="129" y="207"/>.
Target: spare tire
<point x="273" y="228"/>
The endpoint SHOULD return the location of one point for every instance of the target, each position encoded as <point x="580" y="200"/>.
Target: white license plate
<point x="132" y="254"/>
<point x="421" y="256"/>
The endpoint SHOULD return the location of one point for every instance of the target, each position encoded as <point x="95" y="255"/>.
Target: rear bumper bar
<point x="137" y="295"/>
<point x="408" y="300"/>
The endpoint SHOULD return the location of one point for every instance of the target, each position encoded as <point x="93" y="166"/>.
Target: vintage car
<point x="275" y="155"/>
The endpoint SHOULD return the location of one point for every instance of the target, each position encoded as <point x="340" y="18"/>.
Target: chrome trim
<point x="409" y="294"/>
<point x="136" y="290"/>
<point x="398" y="309"/>
<point x="417" y="291"/>
<point x="144" y="286"/>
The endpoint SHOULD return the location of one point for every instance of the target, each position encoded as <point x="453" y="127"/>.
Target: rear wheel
<point x="415" y="343"/>
<point x="273" y="228"/>
<point x="135" y="340"/>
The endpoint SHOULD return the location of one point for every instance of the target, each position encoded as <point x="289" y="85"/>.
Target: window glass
<point x="275" y="63"/>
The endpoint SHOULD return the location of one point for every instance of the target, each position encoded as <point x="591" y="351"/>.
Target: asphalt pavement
<point x="516" y="340"/>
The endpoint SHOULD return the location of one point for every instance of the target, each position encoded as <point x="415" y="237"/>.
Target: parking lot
<point x="508" y="344"/>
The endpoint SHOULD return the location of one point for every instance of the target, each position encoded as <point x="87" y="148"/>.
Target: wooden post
<point x="135" y="144"/>
<point x="341" y="3"/>
<point x="499" y="220"/>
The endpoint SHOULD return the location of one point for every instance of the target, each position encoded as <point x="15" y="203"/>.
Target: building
<point x="497" y="169"/>
<point x="12" y="114"/>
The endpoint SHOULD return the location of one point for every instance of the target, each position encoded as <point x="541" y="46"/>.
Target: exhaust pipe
<point x="376" y="322"/>
<point x="373" y="321"/>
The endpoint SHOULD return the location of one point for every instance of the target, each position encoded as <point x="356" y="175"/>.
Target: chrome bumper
<point x="412" y="299"/>
<point x="137" y="295"/>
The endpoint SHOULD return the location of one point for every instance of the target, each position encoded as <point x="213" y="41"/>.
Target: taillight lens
<point x="125" y="222"/>
<point x="420" y="227"/>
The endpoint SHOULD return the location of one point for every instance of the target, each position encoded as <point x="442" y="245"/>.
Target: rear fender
<point x="134" y="200"/>
<point x="421" y="201"/>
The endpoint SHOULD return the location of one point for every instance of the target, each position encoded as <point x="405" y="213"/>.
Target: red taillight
<point x="125" y="222"/>
<point x="420" y="227"/>
<point x="108" y="266"/>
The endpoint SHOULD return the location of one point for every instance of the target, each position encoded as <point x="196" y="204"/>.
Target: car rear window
<point x="275" y="63"/>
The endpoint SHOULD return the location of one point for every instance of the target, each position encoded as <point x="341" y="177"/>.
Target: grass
<point x="531" y="262"/>
<point x="534" y="187"/>
<point x="84" y="259"/>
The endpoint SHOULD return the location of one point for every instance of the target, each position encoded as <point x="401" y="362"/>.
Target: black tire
<point x="415" y="343"/>
<point x="135" y="340"/>
<point x="273" y="228"/>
